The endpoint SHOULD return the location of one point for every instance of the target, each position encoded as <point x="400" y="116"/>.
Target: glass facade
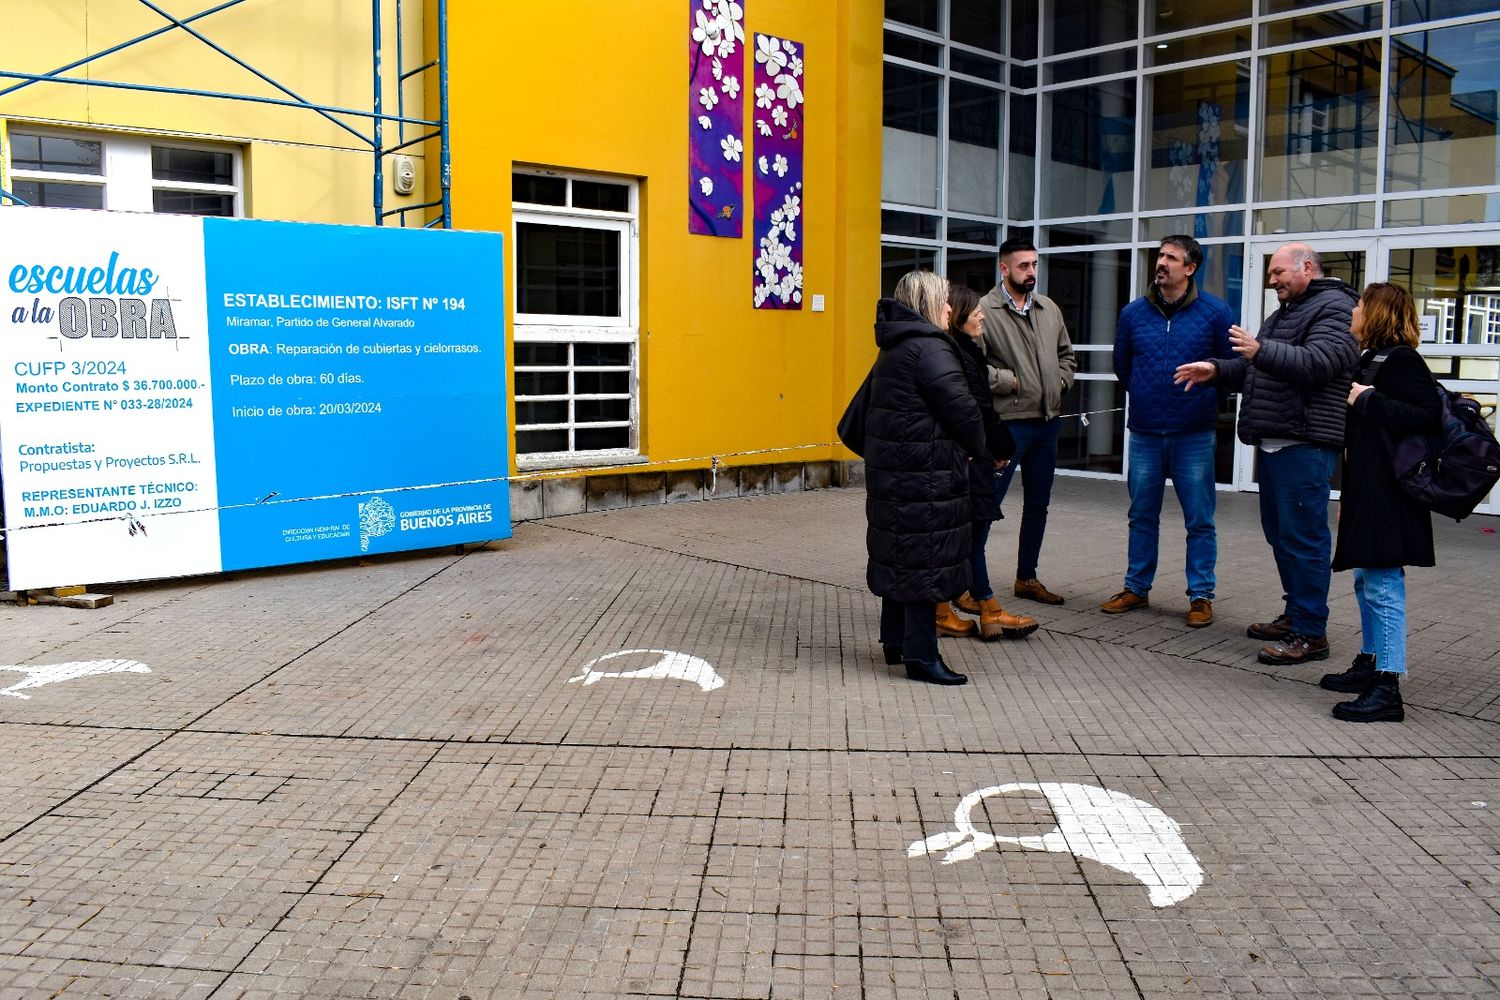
<point x="1097" y="127"/>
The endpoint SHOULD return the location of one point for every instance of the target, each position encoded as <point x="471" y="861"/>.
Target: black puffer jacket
<point x="1379" y="525"/>
<point x="921" y="431"/>
<point x="998" y="441"/>
<point x="1298" y="385"/>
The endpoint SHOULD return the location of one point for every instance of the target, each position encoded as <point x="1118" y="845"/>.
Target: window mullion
<point x="127" y="169"/>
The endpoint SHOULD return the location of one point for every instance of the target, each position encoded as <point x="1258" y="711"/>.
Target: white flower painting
<point x="716" y="95"/>
<point x="708" y="33"/>
<point x="769" y="54"/>
<point x="779" y="98"/>
<point x="789" y="90"/>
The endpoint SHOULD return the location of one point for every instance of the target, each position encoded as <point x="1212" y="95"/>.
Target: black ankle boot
<point x="892" y="654"/>
<point x="1354" y="680"/>
<point x="1381" y="701"/>
<point x="938" y="673"/>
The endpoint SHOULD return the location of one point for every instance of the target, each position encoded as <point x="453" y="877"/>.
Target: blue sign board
<point x="226" y="394"/>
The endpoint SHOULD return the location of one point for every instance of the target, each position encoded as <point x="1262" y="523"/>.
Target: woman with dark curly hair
<point x="966" y="327"/>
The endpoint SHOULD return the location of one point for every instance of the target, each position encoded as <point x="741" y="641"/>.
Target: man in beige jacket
<point x="1031" y="368"/>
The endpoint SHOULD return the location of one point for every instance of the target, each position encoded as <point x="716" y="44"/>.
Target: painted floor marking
<point x="669" y="666"/>
<point x="52" y="673"/>
<point x="1109" y="827"/>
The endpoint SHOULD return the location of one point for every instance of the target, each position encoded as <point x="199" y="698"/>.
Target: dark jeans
<point x="979" y="584"/>
<point x="1294" y="517"/>
<point x="1036" y="454"/>
<point x="912" y="626"/>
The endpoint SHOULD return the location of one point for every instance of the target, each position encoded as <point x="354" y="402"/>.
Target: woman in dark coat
<point x="922" y="428"/>
<point x="966" y="327"/>
<point x="1381" y="529"/>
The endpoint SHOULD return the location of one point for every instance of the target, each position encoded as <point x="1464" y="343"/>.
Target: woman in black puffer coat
<point x="921" y="430"/>
<point x="1381" y="529"/>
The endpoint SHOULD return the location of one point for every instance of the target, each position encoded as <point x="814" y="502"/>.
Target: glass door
<point x="1349" y="260"/>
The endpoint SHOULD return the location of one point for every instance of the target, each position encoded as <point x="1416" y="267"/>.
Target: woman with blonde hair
<point x="921" y="430"/>
<point x="1381" y="529"/>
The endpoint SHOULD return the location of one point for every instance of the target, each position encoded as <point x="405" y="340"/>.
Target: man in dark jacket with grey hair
<point x="1295" y="378"/>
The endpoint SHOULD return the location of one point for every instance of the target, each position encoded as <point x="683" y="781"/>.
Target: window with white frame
<point x="123" y="173"/>
<point x="576" y="327"/>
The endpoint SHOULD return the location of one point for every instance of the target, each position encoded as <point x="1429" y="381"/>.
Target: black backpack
<point x="1452" y="471"/>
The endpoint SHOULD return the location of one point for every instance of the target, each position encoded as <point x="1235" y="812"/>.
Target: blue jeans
<point x="1036" y="454"/>
<point x="1381" y="595"/>
<point x="1294" y="517"/>
<point x="1188" y="460"/>
<point x="911" y="626"/>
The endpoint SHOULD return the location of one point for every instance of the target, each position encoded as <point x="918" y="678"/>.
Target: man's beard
<point x="1022" y="287"/>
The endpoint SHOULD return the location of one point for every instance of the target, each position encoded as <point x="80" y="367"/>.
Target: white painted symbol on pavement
<point x="52" y="673"/>
<point x="674" y="666"/>
<point x="1112" y="828"/>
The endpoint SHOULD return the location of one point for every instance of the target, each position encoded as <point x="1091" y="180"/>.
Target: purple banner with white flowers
<point x="716" y="118"/>
<point x="778" y="173"/>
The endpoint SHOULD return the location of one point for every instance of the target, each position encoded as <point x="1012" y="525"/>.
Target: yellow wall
<point x="298" y="165"/>
<point x="597" y="85"/>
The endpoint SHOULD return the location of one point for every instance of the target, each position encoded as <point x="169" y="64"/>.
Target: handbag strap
<point x="1374" y="366"/>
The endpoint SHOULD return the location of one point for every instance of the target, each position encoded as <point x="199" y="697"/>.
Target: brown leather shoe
<point x="967" y="604"/>
<point x="948" y="622"/>
<point x="1295" y="649"/>
<point x="1125" y="600"/>
<point x="1274" y="630"/>
<point x="995" y="621"/>
<point x="1033" y="590"/>
<point x="1200" y="612"/>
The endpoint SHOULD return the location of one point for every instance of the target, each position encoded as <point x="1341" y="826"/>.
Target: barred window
<point x="576" y="337"/>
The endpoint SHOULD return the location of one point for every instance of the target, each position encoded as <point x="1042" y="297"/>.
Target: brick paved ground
<point x="376" y="780"/>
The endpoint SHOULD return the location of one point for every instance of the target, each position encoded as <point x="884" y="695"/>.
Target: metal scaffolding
<point x="367" y="126"/>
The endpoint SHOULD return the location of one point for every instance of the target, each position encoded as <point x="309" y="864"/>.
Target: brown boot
<point x="948" y="622"/>
<point x="995" y="621"/>
<point x="967" y="604"/>
<point x="1125" y="600"/>
<point x="1033" y="590"/>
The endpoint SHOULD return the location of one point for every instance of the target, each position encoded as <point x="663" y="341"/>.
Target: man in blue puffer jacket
<point x="1171" y="432"/>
